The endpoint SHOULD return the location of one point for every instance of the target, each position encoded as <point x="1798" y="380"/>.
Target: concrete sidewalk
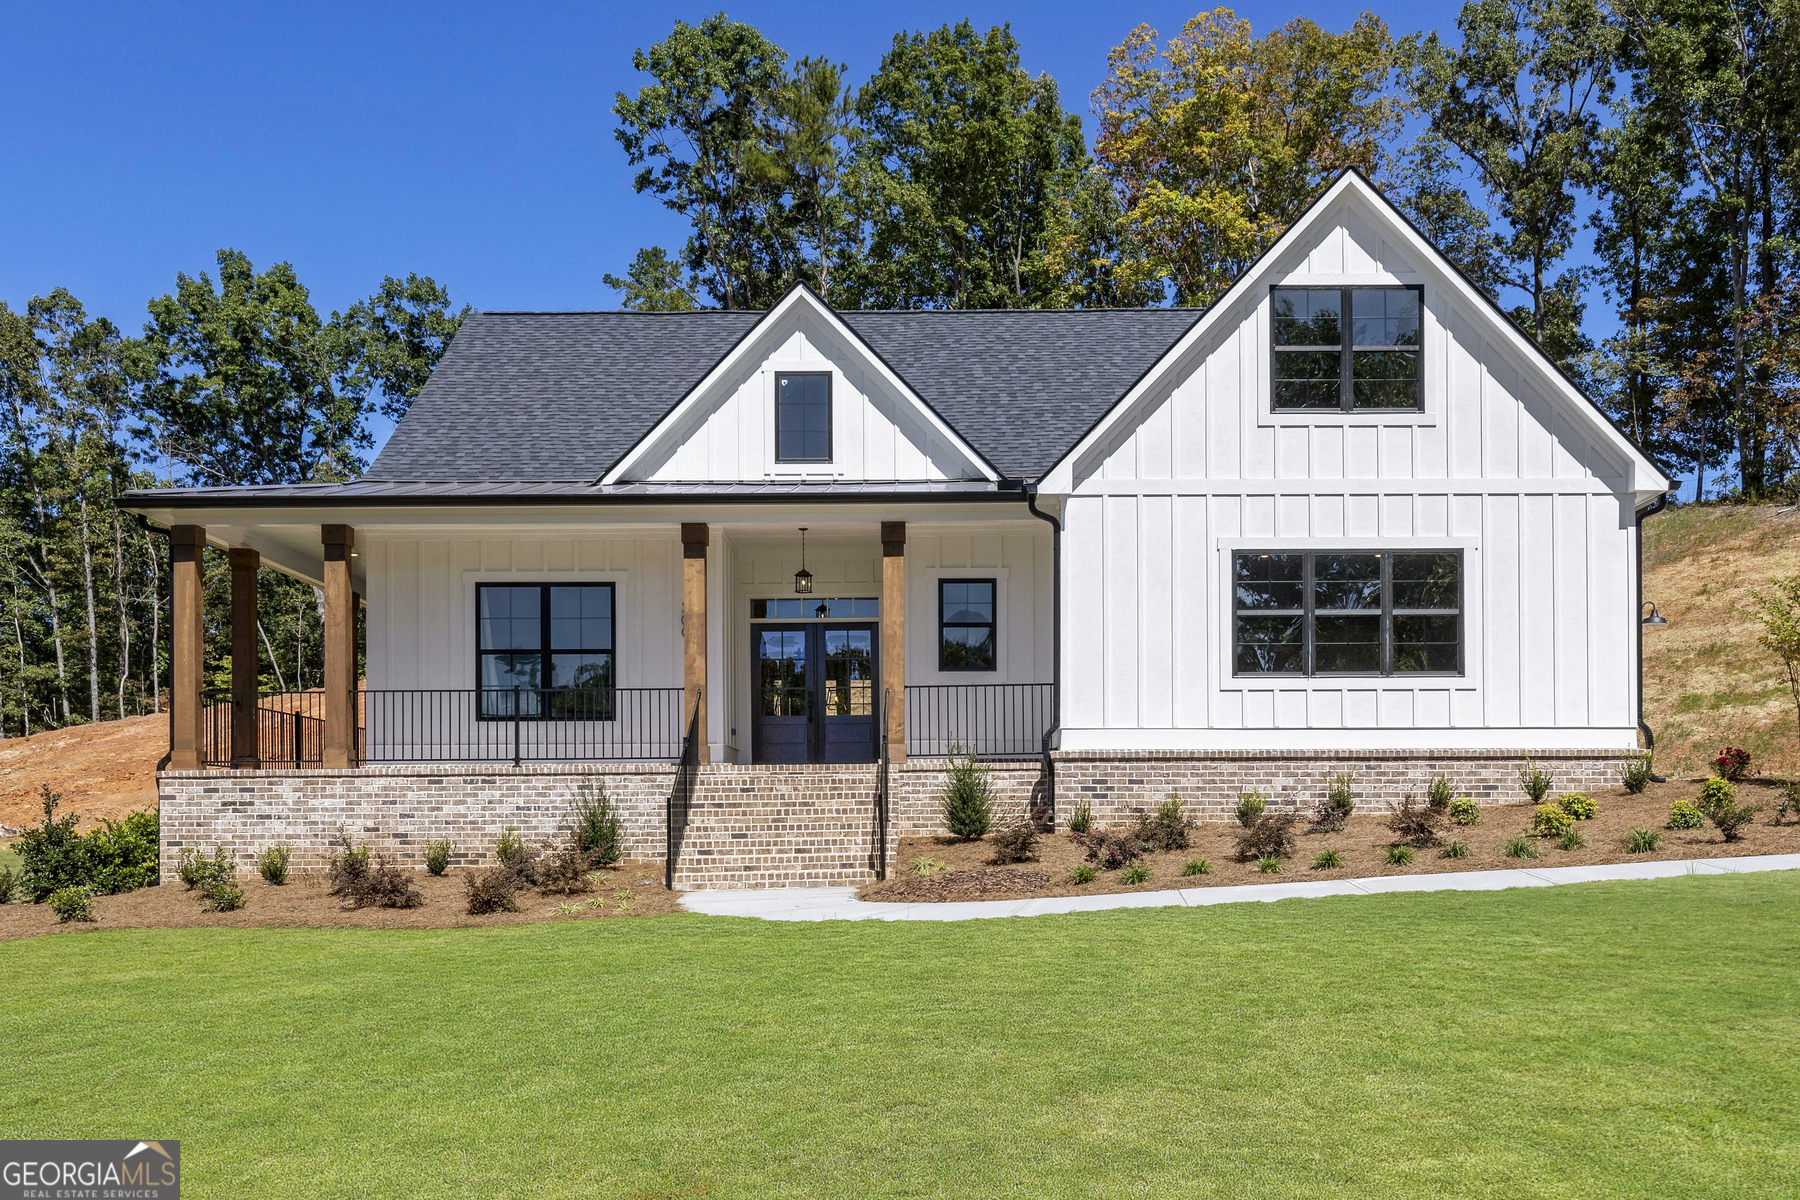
<point x="840" y="903"/>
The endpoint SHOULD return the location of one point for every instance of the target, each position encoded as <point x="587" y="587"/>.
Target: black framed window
<point x="1347" y="348"/>
<point x="966" y="625"/>
<point x="554" y="642"/>
<point x="802" y="417"/>
<point x="1347" y="613"/>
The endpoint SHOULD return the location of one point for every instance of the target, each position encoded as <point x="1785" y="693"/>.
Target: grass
<point x="688" y="1056"/>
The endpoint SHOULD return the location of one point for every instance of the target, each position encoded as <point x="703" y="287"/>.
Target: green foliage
<point x="1339" y="803"/>
<point x="1535" y="781"/>
<point x="1731" y="820"/>
<point x="1015" y="842"/>
<point x="1716" y="793"/>
<point x="1519" y="847"/>
<point x="1642" y="841"/>
<point x="1464" y="811"/>
<point x="1166" y="828"/>
<point x="1549" y="820"/>
<point x="9" y="885"/>
<point x="1327" y="860"/>
<point x="119" y="856"/>
<point x="394" y="339"/>
<point x="1685" y="814"/>
<point x="1571" y="839"/>
<point x="654" y="283"/>
<point x="1439" y="793"/>
<point x="437" y="856"/>
<point x="1455" y="849"/>
<point x="1082" y="819"/>
<point x="923" y="866"/>
<point x="599" y="829"/>
<point x="1196" y="866"/>
<point x="1778" y="611"/>
<point x="1788" y="810"/>
<point x="1250" y="808"/>
<point x="272" y="864"/>
<point x="1399" y="856"/>
<point x="1635" y="774"/>
<point x="1083" y="873"/>
<point x="219" y="890"/>
<point x="968" y="806"/>
<point x="514" y="855"/>
<point x="1269" y="864"/>
<point x="1578" y="805"/>
<point x="72" y="903"/>
<point x="1134" y="872"/>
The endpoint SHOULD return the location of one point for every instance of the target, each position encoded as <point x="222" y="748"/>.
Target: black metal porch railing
<point x="520" y="725"/>
<point x="994" y="720"/>
<point x="290" y="728"/>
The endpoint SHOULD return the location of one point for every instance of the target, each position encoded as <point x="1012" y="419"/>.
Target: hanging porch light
<point x="1655" y="618"/>
<point x="803" y="577"/>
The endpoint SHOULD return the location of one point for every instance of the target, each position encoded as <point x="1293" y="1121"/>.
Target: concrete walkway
<point x="840" y="903"/>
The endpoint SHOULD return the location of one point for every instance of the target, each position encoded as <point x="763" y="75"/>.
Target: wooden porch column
<point x="187" y="646"/>
<point x="694" y="540"/>
<point x="340" y="647"/>
<point x="244" y="750"/>
<point x="893" y="634"/>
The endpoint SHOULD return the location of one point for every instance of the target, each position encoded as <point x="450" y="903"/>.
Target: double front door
<point x="815" y="692"/>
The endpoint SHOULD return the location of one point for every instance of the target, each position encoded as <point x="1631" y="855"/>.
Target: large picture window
<point x="553" y="642"/>
<point x="802" y="418"/>
<point x="1346" y="348"/>
<point x="1352" y="613"/>
<point x="966" y="625"/>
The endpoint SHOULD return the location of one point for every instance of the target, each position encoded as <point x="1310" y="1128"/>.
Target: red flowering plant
<point x="1732" y="763"/>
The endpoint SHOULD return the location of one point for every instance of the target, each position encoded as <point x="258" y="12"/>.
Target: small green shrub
<point x="1269" y="864"/>
<point x="1399" y="856"/>
<point x="1731" y="821"/>
<point x="1642" y="841"/>
<point x="1327" y="860"/>
<point x="1456" y="849"/>
<point x="1083" y="874"/>
<point x="200" y="872"/>
<point x="124" y="855"/>
<point x="1167" y="827"/>
<point x="437" y="856"/>
<point x="1636" y="773"/>
<point x="191" y="869"/>
<point x="491" y="891"/>
<point x="1685" y="814"/>
<point x="222" y="894"/>
<point x="968" y="797"/>
<point x="923" y="867"/>
<point x="1464" y="811"/>
<point x="349" y="867"/>
<point x="272" y="864"/>
<point x="1571" y="840"/>
<point x="1339" y="803"/>
<point x="1579" y="805"/>
<point x="1015" y="842"/>
<point x="1135" y="872"/>
<point x="1082" y="819"/>
<point x="514" y="855"/>
<point x="599" y="834"/>
<point x="1416" y="824"/>
<point x="1519" y="847"/>
<point x="1549" y="820"/>
<point x="1536" y="783"/>
<point x="1250" y="808"/>
<point x="1270" y="835"/>
<point x="1439" y="793"/>
<point x="1716" y="793"/>
<point x="9" y="885"/>
<point x="1196" y="866"/>
<point x="72" y="903"/>
<point x="120" y="856"/>
<point x="1789" y="808"/>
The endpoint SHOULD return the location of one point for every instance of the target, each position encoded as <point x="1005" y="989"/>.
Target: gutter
<point x="1650" y="510"/>
<point x="1055" y="730"/>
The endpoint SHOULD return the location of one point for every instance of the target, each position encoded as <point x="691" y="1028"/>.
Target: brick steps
<point x="798" y="826"/>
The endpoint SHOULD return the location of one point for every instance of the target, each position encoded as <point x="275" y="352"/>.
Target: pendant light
<point x="803" y="577"/>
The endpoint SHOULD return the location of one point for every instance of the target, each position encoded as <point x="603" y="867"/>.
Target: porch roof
<point x="383" y="492"/>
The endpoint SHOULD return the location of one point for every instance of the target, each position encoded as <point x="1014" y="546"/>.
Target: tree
<point x="1425" y="183"/>
<point x="807" y="138"/>
<point x="962" y="158"/>
<point x="1216" y="142"/>
<point x="1778" y="610"/>
<point x="653" y="283"/>
<point x="694" y="132"/>
<point x="1519" y="98"/>
<point x="392" y="341"/>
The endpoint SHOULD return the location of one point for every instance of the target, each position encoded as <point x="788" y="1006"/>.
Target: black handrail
<point x="882" y="797"/>
<point x="290" y="728"/>
<point x="993" y="720"/>
<point x="520" y="725"/>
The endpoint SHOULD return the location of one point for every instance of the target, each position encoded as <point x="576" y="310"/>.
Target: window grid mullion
<point x="1346" y="382"/>
<point x="1306" y="615"/>
<point x="1387" y="614"/>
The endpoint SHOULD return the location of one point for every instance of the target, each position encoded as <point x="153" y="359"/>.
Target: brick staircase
<point x="779" y="826"/>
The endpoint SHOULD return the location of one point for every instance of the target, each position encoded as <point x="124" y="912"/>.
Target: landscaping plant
<point x="1196" y="866"/>
<point x="1110" y="851"/>
<point x="564" y="873"/>
<point x="1083" y="874"/>
<point x="1779" y="612"/>
<point x="1549" y="820"/>
<point x="71" y="903"/>
<point x="1464" y="811"/>
<point x="1270" y="836"/>
<point x="1327" y="860"/>
<point x="1519" y="847"/>
<point x="1685" y="814"/>
<point x="1642" y="841"/>
<point x="1135" y="872"/>
<point x="491" y="891"/>
<point x="1579" y="805"/>
<point x="1731" y="820"/>
<point x="968" y="797"/>
<point x="1399" y="856"/>
<point x="1015" y="842"/>
<point x="1455" y="849"/>
<point x="1416" y="824"/>
<point x="1537" y="783"/>
<point x="219" y="890"/>
<point x="923" y="866"/>
<point x="272" y="864"/>
<point x="120" y="856"/>
<point x="1789" y="808"/>
<point x="1636" y="774"/>
<point x="1269" y="864"/>
<point x="1571" y="839"/>
<point x="1082" y="819"/>
<point x="346" y="869"/>
<point x="599" y="830"/>
<point x="1716" y="793"/>
<point x="1732" y="763"/>
<point x="9" y="885"/>
<point x="437" y="856"/>
<point x="1335" y="809"/>
<point x="1250" y="808"/>
<point x="1166" y="828"/>
<point x="1439" y="793"/>
<point x="514" y="855"/>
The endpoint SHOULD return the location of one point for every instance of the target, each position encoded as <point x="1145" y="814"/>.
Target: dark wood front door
<point x="815" y="692"/>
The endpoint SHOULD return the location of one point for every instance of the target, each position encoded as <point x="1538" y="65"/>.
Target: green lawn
<point x="1633" y="1039"/>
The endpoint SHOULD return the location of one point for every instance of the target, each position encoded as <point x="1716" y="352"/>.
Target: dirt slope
<point x="103" y="770"/>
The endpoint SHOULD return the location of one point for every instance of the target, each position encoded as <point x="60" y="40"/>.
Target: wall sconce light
<point x="1655" y="619"/>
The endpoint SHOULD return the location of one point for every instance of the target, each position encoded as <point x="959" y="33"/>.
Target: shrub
<point x="1519" y="847"/>
<point x="1571" y="840"/>
<point x="1732" y="763"/>
<point x="491" y="891"/>
<point x="1135" y="872"/>
<point x="1196" y="866"/>
<point x="71" y="903"/>
<point x="1083" y="874"/>
<point x="1636" y="773"/>
<point x="200" y="872"/>
<point x="1716" y="793"/>
<point x="923" y="866"/>
<point x="191" y="869"/>
<point x="222" y="894"/>
<point x="1327" y="860"/>
<point x="1579" y="805"/>
<point x="123" y="856"/>
<point x="1439" y="793"/>
<point x="599" y="830"/>
<point x="1537" y="783"/>
<point x="1549" y="820"/>
<point x="564" y="873"/>
<point x="1272" y="835"/>
<point x="1082" y="819"/>
<point x="514" y="855"/>
<point x="1015" y="842"/>
<point x="9" y="885"/>
<point x="1250" y="808"/>
<point x="1642" y="841"/>
<point x="1269" y="864"/>
<point x="1399" y="856"/>
<point x="1789" y="808"/>
<point x="1731" y="821"/>
<point x="1335" y="809"/>
<point x="1414" y="823"/>
<point x="437" y="856"/>
<point x="272" y="864"/>
<point x="346" y="870"/>
<point x="52" y="856"/>
<point x="968" y="797"/>
<point x="1167" y="827"/>
<point x="1456" y="849"/>
<point x="1685" y="814"/>
<point x="385" y="886"/>
<point x="1110" y="851"/>
<point x="1464" y="811"/>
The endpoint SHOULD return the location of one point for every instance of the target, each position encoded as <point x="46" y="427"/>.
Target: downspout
<point x="1031" y="493"/>
<point x="144" y="524"/>
<point x="1656" y="506"/>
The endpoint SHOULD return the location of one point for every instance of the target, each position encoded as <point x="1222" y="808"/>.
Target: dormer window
<point x="803" y="417"/>
<point x="1323" y="360"/>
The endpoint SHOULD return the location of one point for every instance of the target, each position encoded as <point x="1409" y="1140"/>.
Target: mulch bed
<point x="970" y="875"/>
<point x="631" y="889"/>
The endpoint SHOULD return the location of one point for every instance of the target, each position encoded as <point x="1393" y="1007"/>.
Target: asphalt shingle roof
<point x="557" y="396"/>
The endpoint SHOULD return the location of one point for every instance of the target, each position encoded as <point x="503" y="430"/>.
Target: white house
<point x="761" y="570"/>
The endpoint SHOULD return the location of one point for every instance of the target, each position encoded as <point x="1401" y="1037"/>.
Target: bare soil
<point x="630" y="889"/>
<point x="1363" y="843"/>
<point x="105" y="770"/>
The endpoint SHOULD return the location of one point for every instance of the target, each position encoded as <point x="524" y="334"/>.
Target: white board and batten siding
<point x="1497" y="465"/>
